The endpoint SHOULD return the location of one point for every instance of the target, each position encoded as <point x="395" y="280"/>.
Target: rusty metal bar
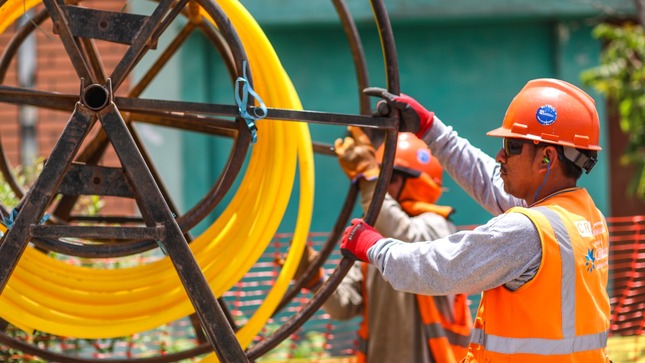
<point x="41" y="193"/>
<point x="5" y="61"/>
<point x="188" y="122"/>
<point x="176" y="109"/>
<point x="144" y="81"/>
<point x="116" y="27"/>
<point x="61" y="26"/>
<point x="181" y="108"/>
<point x="358" y="55"/>
<point x="217" y="39"/>
<point x="95" y="149"/>
<point x="84" y="179"/>
<point x="325" y="251"/>
<point x="108" y="248"/>
<point x="24" y="96"/>
<point x="345" y="263"/>
<point x="155" y="233"/>
<point x="154" y="208"/>
<point x="62" y="358"/>
<point x="190" y="116"/>
<point x="88" y="46"/>
<point x="18" y="38"/>
<point x="142" y="42"/>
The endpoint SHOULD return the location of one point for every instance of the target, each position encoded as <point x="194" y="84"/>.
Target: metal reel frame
<point x="69" y="169"/>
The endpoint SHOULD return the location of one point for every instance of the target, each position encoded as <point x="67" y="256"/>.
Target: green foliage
<point x="24" y="177"/>
<point x="621" y="78"/>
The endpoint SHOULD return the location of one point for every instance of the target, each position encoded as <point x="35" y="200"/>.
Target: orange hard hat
<point x="554" y="112"/>
<point x="424" y="172"/>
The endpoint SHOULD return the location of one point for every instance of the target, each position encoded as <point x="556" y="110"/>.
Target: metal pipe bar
<point x="139" y="233"/>
<point x="41" y="193"/>
<point x="25" y="96"/>
<point x="154" y="208"/>
<point x="155" y="174"/>
<point x="18" y="38"/>
<point x="94" y="61"/>
<point x="63" y="358"/>
<point x="192" y="110"/>
<point x="328" y="247"/>
<point x="186" y="121"/>
<point x="358" y="55"/>
<point x="95" y="149"/>
<point x="163" y="59"/>
<point x="217" y="39"/>
<point x="6" y="58"/>
<point x="142" y="42"/>
<point x="181" y="108"/>
<point x="370" y="216"/>
<point x="106" y="249"/>
<point x="61" y="26"/>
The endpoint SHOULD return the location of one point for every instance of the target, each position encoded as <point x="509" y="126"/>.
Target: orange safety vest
<point x="562" y="314"/>
<point x="447" y="340"/>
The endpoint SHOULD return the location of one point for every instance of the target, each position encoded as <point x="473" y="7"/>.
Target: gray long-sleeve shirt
<point x="504" y="251"/>
<point x="395" y="326"/>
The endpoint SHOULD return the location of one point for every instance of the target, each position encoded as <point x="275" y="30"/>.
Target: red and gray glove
<point x="357" y="239"/>
<point x="414" y="117"/>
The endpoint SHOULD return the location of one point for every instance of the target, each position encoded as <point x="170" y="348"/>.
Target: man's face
<point x="517" y="160"/>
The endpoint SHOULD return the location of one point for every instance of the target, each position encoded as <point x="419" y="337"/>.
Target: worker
<point x="542" y="261"/>
<point x="399" y="327"/>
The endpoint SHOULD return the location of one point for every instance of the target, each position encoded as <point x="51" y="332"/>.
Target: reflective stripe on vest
<point x="570" y="342"/>
<point x="436" y="330"/>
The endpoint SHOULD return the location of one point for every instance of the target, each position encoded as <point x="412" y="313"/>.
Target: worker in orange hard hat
<point x="399" y="327"/>
<point x="542" y="261"/>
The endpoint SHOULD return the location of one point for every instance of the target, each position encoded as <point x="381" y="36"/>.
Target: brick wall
<point x="54" y="73"/>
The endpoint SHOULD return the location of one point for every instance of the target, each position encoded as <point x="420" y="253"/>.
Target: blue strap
<point x="8" y="221"/>
<point x="11" y="218"/>
<point x="548" y="171"/>
<point x="258" y="112"/>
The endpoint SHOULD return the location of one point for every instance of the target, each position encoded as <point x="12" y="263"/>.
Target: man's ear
<point x="549" y="156"/>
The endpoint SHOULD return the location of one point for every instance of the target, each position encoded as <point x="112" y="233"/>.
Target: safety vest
<point x="562" y="314"/>
<point x="447" y="338"/>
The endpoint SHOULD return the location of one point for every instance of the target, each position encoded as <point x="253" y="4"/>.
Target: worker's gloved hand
<point x="308" y="257"/>
<point x="356" y="155"/>
<point x="357" y="239"/>
<point x="412" y="112"/>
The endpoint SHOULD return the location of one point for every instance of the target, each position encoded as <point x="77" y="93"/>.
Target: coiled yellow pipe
<point x="58" y="298"/>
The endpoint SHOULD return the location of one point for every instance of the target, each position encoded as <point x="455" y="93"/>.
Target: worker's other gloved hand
<point x="356" y="155"/>
<point x="357" y="239"/>
<point x="412" y="112"/>
<point x="308" y="257"/>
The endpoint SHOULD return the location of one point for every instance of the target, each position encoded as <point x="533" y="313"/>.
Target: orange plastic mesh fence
<point x="321" y="337"/>
<point x="627" y="275"/>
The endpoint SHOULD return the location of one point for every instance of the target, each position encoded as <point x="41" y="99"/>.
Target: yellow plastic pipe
<point x="58" y="298"/>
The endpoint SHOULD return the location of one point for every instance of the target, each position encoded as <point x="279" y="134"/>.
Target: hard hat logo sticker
<point x="423" y="156"/>
<point x="546" y="114"/>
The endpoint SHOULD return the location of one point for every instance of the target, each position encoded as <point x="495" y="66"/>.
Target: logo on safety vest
<point x="590" y="260"/>
<point x="584" y="228"/>
<point x="546" y="114"/>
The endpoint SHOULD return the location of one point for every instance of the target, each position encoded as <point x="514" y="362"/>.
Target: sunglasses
<point x="513" y="146"/>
